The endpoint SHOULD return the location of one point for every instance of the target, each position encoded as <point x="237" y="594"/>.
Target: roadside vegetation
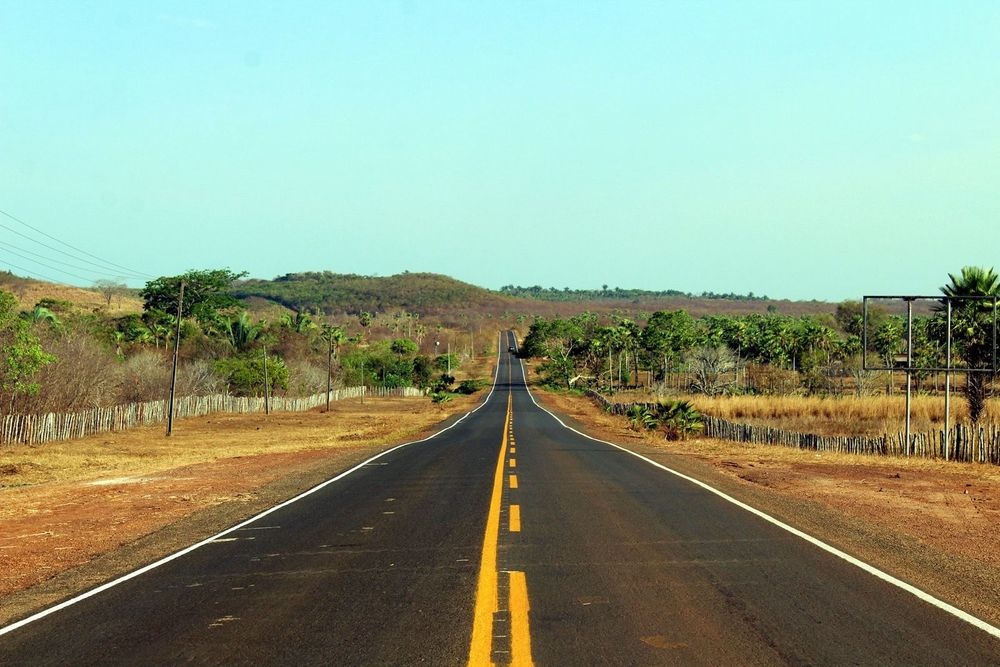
<point x="60" y="357"/>
<point x="716" y="362"/>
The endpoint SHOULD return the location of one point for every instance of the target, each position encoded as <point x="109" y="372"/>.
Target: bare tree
<point x="713" y="369"/>
<point x="110" y="289"/>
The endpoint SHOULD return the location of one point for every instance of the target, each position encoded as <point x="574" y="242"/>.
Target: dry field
<point x="871" y="416"/>
<point x="932" y="523"/>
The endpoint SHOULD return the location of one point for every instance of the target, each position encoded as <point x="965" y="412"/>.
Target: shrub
<point x="679" y="419"/>
<point x="444" y="382"/>
<point x="470" y="386"/>
<point x="640" y="417"/>
<point x="440" y="397"/>
<point x="244" y="374"/>
<point x="145" y="377"/>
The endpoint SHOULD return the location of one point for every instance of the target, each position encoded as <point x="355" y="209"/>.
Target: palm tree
<point x="302" y="323"/>
<point x="118" y="338"/>
<point x="335" y="335"/>
<point x="243" y="332"/>
<point x="41" y="314"/>
<point x="973" y="330"/>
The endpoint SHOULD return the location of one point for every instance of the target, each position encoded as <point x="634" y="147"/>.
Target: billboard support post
<point x="947" y="387"/>
<point x="909" y="371"/>
<point x="942" y="305"/>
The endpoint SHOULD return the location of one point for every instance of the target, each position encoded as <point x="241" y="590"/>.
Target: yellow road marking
<point x="520" y="634"/>
<point x="513" y="463"/>
<point x="486" y="586"/>
<point x="515" y="518"/>
<point x="513" y="481"/>
<point x="512" y="450"/>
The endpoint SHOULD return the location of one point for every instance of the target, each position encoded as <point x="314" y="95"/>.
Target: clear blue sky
<point x="802" y="150"/>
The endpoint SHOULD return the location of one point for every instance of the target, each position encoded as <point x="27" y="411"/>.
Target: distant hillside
<point x="436" y="295"/>
<point x="567" y="294"/>
<point x="30" y="292"/>
<point x="428" y="294"/>
<point x="336" y="293"/>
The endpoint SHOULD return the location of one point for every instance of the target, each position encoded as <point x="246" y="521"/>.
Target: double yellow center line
<point x="487" y="598"/>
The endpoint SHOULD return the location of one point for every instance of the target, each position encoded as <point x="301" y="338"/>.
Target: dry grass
<point x="147" y="451"/>
<point x="849" y="415"/>
<point x="29" y="292"/>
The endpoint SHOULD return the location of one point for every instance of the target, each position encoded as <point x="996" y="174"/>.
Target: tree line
<point x="59" y="358"/>
<point x="566" y="294"/>
<point x="805" y="352"/>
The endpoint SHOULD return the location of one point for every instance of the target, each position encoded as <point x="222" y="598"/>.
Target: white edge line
<point x="870" y="569"/>
<point x="183" y="552"/>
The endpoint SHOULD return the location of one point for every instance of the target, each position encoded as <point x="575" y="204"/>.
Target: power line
<point x="31" y="272"/>
<point x="54" y="249"/>
<point x="48" y="266"/>
<point x="131" y="272"/>
<point x="16" y="250"/>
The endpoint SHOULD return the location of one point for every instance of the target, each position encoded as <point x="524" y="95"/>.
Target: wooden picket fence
<point x="965" y="443"/>
<point x="35" y="429"/>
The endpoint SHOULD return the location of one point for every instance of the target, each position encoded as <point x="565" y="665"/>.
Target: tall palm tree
<point x="973" y="329"/>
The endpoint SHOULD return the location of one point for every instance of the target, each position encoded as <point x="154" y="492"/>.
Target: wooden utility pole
<point x="267" y="385"/>
<point x="329" y="367"/>
<point x="173" y="372"/>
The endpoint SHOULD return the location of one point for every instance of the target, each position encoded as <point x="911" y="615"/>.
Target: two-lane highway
<point x="507" y="538"/>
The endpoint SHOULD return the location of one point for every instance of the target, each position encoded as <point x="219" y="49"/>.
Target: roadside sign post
<point x="939" y="305"/>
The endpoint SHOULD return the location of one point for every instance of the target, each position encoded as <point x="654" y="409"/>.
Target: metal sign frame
<point x="909" y="369"/>
<point x="949" y="366"/>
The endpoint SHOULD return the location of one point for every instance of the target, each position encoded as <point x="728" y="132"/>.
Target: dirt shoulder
<point x="75" y="514"/>
<point x="930" y="523"/>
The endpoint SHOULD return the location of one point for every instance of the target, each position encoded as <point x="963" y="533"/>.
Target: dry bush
<point x="198" y="378"/>
<point x="767" y="379"/>
<point x="294" y="348"/>
<point x="305" y="379"/>
<point x="145" y="377"/>
<point x="85" y="375"/>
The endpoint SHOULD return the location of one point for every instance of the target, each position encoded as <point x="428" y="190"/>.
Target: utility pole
<point x="173" y="372"/>
<point x="909" y="370"/>
<point x="267" y="388"/>
<point x="329" y="367"/>
<point x="947" y="387"/>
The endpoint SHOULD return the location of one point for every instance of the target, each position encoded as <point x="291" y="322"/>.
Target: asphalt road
<point x="505" y="538"/>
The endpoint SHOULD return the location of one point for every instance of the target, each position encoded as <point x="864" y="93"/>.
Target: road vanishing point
<point x="507" y="538"/>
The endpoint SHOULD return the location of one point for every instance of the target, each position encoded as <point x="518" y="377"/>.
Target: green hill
<point x="334" y="293"/>
<point x="437" y="295"/>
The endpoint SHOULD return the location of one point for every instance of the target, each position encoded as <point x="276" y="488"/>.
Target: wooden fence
<point x="40" y="428"/>
<point x="966" y="443"/>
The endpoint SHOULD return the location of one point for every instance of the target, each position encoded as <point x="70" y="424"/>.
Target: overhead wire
<point x="48" y="266"/>
<point x="36" y="257"/>
<point x="107" y="265"/>
<point x="34" y="274"/>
